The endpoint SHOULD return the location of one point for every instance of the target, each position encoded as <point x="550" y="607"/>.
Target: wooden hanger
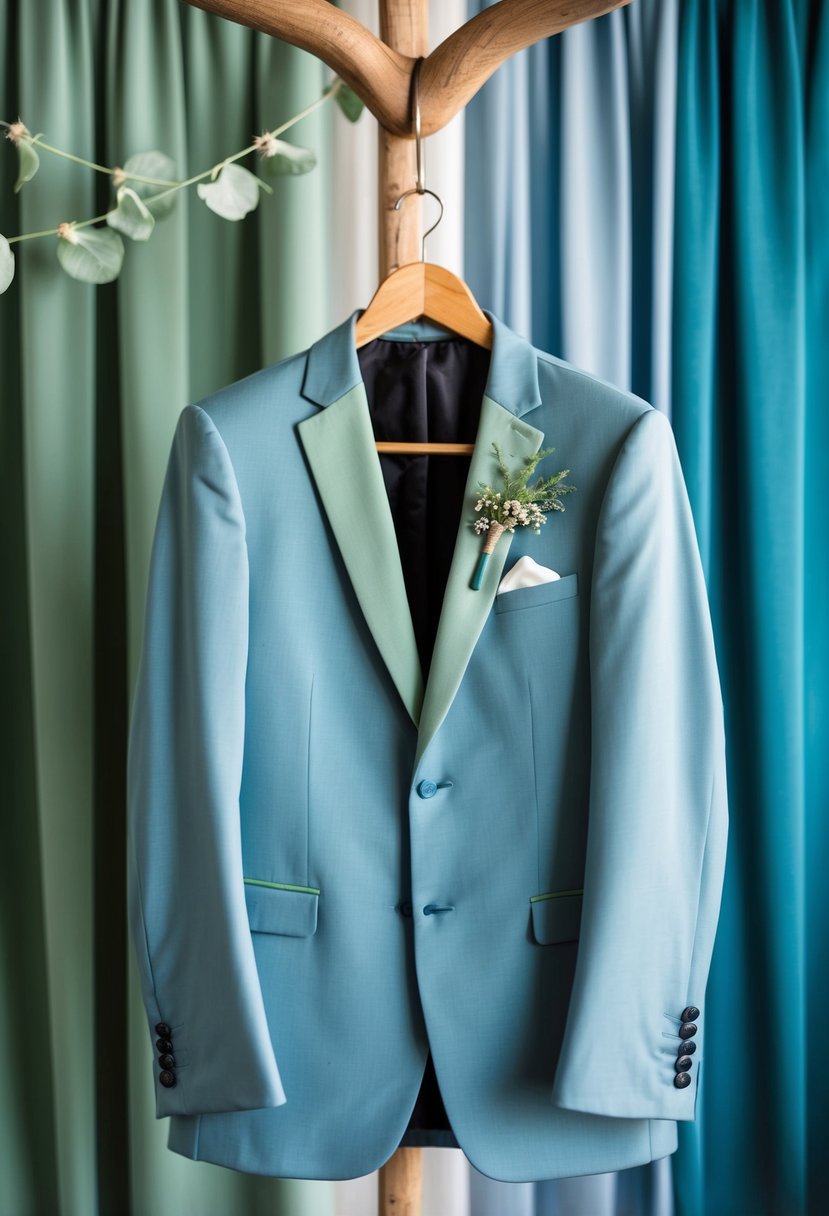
<point x="423" y="289"/>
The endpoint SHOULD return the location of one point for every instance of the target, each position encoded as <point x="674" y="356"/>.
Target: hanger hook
<point x="419" y="188"/>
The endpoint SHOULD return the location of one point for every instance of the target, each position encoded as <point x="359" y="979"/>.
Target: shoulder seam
<point x="214" y="430"/>
<point x="553" y="361"/>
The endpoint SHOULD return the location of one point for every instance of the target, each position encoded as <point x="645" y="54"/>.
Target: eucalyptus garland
<point x="145" y="189"/>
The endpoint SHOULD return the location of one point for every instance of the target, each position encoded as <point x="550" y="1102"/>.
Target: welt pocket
<point x="556" y="916"/>
<point x="563" y="588"/>
<point x="275" y="907"/>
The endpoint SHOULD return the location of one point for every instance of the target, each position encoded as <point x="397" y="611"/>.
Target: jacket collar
<point x="339" y="443"/>
<point x="333" y="369"/>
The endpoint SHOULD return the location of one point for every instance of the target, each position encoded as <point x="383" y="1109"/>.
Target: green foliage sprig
<point x="520" y="503"/>
<point x="145" y="188"/>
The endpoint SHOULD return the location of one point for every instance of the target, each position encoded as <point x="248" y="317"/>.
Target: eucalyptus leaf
<point x="153" y="164"/>
<point x="28" y="162"/>
<point x="349" y="102"/>
<point x="288" y="158"/>
<point x="6" y="264"/>
<point x="93" y="255"/>
<point x="131" y="216"/>
<point x="233" y="194"/>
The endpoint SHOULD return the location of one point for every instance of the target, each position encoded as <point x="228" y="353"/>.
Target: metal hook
<point x="419" y="188"/>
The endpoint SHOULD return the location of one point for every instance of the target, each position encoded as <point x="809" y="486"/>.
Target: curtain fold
<point x="94" y="379"/>
<point x="750" y="391"/>
<point x="693" y="267"/>
<point x="644" y="195"/>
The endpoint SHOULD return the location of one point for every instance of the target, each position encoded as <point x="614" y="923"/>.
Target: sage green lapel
<point x="464" y="611"/>
<point x="339" y="444"/>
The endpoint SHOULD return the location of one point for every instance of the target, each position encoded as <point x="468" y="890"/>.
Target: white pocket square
<point x="526" y="573"/>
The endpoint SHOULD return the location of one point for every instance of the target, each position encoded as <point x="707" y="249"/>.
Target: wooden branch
<point x="381" y="76"/>
<point x="401" y="1183"/>
<point x="404" y="31"/>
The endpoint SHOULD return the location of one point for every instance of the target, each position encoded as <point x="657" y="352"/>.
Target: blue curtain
<point x="750" y="390"/>
<point x="647" y="198"/>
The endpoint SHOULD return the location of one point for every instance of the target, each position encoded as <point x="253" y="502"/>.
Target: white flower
<point x="266" y="144"/>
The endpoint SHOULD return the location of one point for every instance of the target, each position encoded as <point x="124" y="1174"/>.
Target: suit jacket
<point x="411" y="862"/>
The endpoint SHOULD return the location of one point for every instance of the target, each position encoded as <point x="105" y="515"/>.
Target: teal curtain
<point x="750" y="396"/>
<point x="742" y="370"/>
<point x="93" y="379"/>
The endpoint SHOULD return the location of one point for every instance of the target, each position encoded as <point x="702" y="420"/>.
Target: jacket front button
<point x="687" y="1029"/>
<point x="427" y="789"/>
<point x="167" y="1078"/>
<point x="682" y="1080"/>
<point x="406" y="908"/>
<point x="689" y="1013"/>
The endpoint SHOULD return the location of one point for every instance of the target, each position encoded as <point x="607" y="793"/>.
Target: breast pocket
<point x="563" y="588"/>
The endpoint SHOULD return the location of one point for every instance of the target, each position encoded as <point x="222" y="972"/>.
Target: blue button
<point x="427" y="789"/>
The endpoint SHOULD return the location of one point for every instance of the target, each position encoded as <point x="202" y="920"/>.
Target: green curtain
<point x="750" y="397"/>
<point x="93" y="379"/>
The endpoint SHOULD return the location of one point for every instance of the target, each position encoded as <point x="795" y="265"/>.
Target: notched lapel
<point x="339" y="444"/>
<point x="464" y="611"/>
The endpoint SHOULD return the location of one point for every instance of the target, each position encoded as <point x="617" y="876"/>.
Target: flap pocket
<point x="556" y="916"/>
<point x="540" y="593"/>
<point x="280" y="908"/>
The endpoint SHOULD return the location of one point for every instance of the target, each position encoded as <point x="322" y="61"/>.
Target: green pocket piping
<point x="282" y="886"/>
<point x="555" y="894"/>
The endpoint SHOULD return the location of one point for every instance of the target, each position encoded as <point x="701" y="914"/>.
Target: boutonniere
<point x="516" y="505"/>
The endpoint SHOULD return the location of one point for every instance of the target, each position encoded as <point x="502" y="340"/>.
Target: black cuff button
<point x="682" y="1080"/>
<point x="161" y="1028"/>
<point x="168" y="1079"/>
<point x="689" y="1013"/>
<point x="164" y="1044"/>
<point x="167" y="1061"/>
<point x="686" y="1049"/>
<point x="687" y="1029"/>
<point x="683" y="1063"/>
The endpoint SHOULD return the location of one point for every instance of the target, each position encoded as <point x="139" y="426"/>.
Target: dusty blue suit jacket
<point x="337" y="866"/>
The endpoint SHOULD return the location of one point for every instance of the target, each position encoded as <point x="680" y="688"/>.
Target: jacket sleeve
<point x="657" y="826"/>
<point x="187" y="912"/>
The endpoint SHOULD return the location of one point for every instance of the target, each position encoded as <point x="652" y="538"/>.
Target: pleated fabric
<point x="678" y="179"/>
<point x="94" y="379"/>
<point x="570" y="161"/>
<point x="750" y="384"/>
<point x="644" y="195"/>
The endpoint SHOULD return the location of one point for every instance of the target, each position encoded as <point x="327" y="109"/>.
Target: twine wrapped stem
<point x="492" y="536"/>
